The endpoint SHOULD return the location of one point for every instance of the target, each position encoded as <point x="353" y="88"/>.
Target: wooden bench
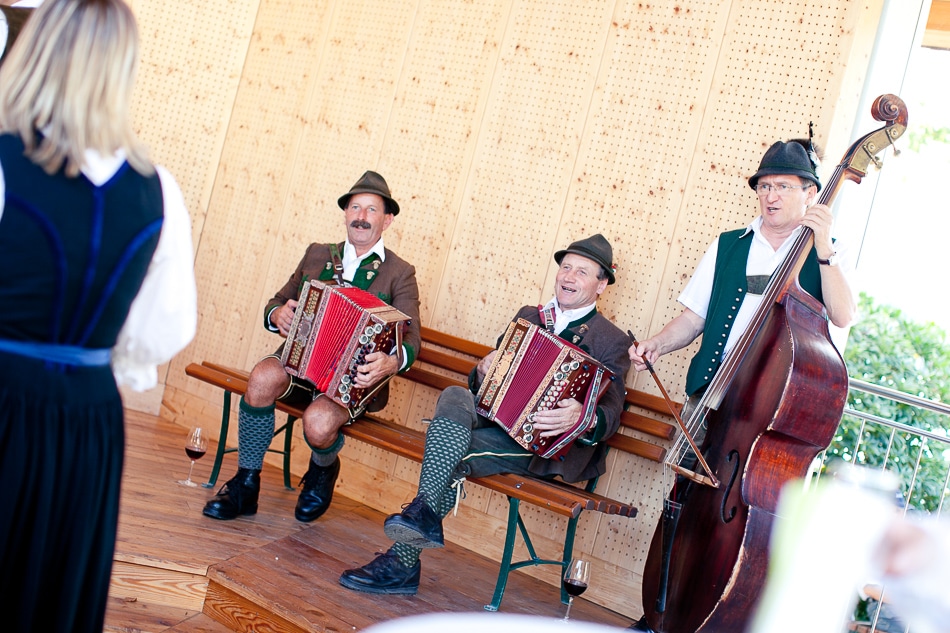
<point x="446" y="360"/>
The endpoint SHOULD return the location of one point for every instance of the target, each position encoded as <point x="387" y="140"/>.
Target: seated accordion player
<point x="532" y="371"/>
<point x="333" y="330"/>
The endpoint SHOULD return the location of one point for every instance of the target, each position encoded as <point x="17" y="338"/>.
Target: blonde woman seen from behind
<point x="97" y="289"/>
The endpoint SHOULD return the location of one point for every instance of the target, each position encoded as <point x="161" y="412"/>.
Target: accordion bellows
<point x="532" y="371"/>
<point x="333" y="330"/>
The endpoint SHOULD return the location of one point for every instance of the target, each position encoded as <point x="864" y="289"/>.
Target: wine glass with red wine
<point x="575" y="581"/>
<point x="195" y="447"/>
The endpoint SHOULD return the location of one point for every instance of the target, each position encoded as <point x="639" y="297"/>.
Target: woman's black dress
<point x="72" y="258"/>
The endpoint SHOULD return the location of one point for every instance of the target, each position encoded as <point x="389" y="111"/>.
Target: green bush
<point x="885" y="348"/>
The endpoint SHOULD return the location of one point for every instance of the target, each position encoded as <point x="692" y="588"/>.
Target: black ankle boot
<point x="237" y="496"/>
<point x="384" y="574"/>
<point x="317" y="491"/>
<point x="416" y="525"/>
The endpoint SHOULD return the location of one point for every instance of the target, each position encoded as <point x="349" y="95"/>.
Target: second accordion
<point x="333" y="330"/>
<point x="532" y="371"/>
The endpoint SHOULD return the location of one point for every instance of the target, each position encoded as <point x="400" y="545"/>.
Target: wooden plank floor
<point x="176" y="570"/>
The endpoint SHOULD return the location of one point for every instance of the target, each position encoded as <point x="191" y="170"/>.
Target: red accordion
<point x="333" y="330"/>
<point x="533" y="370"/>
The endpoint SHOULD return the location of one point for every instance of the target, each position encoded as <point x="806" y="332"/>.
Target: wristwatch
<point x="831" y="261"/>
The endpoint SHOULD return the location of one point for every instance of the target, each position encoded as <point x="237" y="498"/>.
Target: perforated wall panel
<point x="506" y="129"/>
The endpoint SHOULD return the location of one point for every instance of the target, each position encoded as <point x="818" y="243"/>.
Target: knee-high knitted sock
<point x="447" y="442"/>
<point x="255" y="432"/>
<point x="446" y="445"/>
<point x="407" y="554"/>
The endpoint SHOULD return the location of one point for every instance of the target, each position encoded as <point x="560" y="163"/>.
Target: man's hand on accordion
<point x="283" y="317"/>
<point x="556" y="421"/>
<point x="485" y="364"/>
<point x="378" y="365"/>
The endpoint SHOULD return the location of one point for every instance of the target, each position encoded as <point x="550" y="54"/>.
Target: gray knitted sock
<point x="407" y="554"/>
<point x="255" y="432"/>
<point x="446" y="444"/>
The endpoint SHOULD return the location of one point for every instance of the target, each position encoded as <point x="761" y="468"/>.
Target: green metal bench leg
<point x="514" y="517"/>
<point x="222" y="440"/>
<point x="506" y="566"/>
<point x="288" y="429"/>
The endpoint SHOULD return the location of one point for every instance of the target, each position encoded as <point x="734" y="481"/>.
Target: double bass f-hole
<point x="734" y="459"/>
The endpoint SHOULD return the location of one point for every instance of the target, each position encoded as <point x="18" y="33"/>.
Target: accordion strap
<point x="547" y="317"/>
<point x="337" y="265"/>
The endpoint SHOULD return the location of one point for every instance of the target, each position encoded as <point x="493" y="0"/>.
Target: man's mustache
<point x="361" y="224"/>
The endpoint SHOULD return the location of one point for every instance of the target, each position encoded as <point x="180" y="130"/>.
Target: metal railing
<point x="924" y="447"/>
<point x="919" y="458"/>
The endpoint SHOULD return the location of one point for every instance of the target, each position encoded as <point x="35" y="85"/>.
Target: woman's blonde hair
<point x="66" y="84"/>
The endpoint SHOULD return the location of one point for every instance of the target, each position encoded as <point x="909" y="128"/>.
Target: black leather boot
<point x="416" y="525"/>
<point x="237" y="496"/>
<point x="384" y="574"/>
<point x="317" y="491"/>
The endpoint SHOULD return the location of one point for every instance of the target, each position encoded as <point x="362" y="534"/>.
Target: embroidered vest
<point x="364" y="275"/>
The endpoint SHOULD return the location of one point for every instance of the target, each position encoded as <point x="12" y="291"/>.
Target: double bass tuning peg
<point x="893" y="138"/>
<point x="870" y="150"/>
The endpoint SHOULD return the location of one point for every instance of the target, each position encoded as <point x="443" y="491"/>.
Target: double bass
<point x="771" y="408"/>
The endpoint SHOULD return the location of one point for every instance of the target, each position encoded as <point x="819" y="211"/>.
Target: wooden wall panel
<point x="438" y="106"/>
<point x="191" y="61"/>
<point x="508" y="223"/>
<point x="638" y="146"/>
<point x="506" y="129"/>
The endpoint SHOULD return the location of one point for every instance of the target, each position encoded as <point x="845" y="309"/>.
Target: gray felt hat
<point x="595" y="247"/>
<point x="371" y="182"/>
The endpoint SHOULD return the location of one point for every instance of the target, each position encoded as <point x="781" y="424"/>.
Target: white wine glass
<point x="195" y="447"/>
<point x="575" y="581"/>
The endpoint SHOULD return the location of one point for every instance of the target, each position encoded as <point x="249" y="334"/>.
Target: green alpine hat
<point x="371" y="182"/>
<point x="595" y="247"/>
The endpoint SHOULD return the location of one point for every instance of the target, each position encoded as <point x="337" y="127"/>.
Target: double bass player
<point x="728" y="294"/>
